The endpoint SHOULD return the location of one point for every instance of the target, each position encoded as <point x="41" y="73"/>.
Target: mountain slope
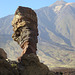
<point x="56" y="35"/>
<point x="5" y="25"/>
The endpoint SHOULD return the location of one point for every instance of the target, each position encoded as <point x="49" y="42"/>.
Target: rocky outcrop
<point x="25" y="29"/>
<point x="30" y="65"/>
<point x="25" y="34"/>
<point x="5" y="67"/>
<point x="3" y="54"/>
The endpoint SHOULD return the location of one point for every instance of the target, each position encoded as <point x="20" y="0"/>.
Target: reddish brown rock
<point x="3" y="54"/>
<point x="25" y="34"/>
<point x="25" y="29"/>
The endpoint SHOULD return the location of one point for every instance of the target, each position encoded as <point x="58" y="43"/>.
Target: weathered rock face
<point x="5" y="67"/>
<point x="25" y="29"/>
<point x="30" y="65"/>
<point x="25" y="34"/>
<point x="3" y="54"/>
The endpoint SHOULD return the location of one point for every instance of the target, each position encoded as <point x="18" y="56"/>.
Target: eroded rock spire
<point x="25" y="29"/>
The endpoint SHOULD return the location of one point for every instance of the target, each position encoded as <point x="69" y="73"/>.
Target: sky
<point x="8" y="7"/>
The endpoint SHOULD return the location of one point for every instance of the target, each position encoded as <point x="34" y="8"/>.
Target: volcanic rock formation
<point x="25" y="34"/>
<point x="25" y="29"/>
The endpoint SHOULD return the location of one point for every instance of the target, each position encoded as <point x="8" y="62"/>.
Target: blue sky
<point x="8" y="7"/>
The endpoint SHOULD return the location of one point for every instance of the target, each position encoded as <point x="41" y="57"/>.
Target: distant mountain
<point x="56" y="24"/>
<point x="5" y="25"/>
